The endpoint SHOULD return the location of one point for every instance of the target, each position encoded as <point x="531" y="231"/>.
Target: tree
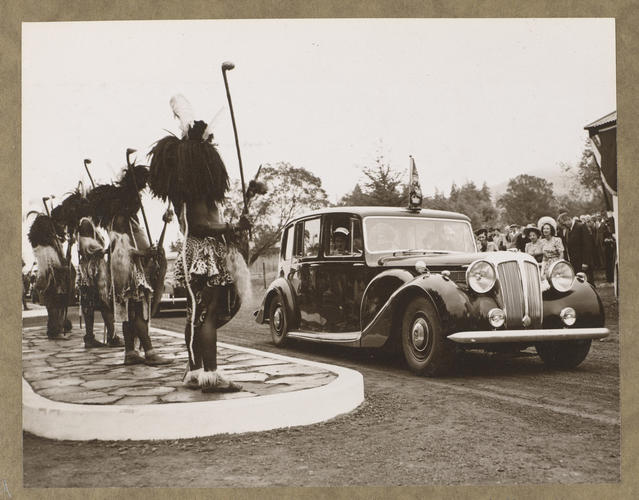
<point x="586" y="195"/>
<point x="290" y="192"/>
<point x="437" y="202"/>
<point x="381" y="186"/>
<point x="475" y="203"/>
<point x="528" y="198"/>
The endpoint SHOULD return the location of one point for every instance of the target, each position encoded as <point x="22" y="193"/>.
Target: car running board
<point x="330" y="338"/>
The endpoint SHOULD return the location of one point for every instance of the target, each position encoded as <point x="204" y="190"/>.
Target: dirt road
<point x="501" y="419"/>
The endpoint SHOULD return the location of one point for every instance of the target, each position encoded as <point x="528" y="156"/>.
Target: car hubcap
<point x="277" y="320"/>
<point x="419" y="334"/>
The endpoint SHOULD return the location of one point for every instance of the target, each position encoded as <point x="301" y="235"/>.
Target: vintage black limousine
<point x="370" y="276"/>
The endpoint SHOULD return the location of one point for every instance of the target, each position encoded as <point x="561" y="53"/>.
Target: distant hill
<point x="560" y="182"/>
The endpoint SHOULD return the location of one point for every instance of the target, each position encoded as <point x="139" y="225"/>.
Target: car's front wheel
<point x="563" y="354"/>
<point x="426" y="350"/>
<point x="278" y="322"/>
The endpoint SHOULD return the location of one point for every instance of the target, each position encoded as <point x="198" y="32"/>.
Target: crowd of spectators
<point x="586" y="241"/>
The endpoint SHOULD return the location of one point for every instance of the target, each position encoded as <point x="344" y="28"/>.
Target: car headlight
<point x="480" y="276"/>
<point x="561" y="276"/>
<point x="568" y="316"/>
<point x="496" y="317"/>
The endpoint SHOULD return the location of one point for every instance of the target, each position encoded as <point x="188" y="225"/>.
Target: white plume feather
<point x="208" y="132"/>
<point x="183" y="112"/>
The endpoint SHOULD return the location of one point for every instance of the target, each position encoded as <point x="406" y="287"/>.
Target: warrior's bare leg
<point x="207" y="334"/>
<point x="191" y="376"/>
<point x="210" y="379"/>
<point x="88" y="311"/>
<point x="51" y="322"/>
<point x="55" y="323"/>
<point x="131" y="356"/>
<point x="140" y="329"/>
<point x="112" y="339"/>
<point x="195" y="360"/>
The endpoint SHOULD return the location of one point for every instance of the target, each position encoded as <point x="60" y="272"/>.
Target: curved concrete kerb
<point x="57" y="420"/>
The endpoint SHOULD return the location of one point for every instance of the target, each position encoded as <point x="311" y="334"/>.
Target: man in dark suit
<point x="578" y="244"/>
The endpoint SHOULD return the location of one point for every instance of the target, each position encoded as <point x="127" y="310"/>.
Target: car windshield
<point x="394" y="234"/>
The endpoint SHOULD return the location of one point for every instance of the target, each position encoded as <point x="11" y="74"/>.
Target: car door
<point x="341" y="274"/>
<point x="303" y="272"/>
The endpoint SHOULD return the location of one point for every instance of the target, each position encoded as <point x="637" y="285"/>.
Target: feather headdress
<point x="107" y="201"/>
<point x="73" y="208"/>
<point x="41" y="232"/>
<point x="188" y="168"/>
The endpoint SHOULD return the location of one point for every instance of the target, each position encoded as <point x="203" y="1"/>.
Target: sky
<point x="470" y="99"/>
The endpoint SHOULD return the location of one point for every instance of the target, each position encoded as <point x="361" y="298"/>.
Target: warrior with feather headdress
<point x="53" y="278"/>
<point x="114" y="207"/>
<point x="189" y="172"/>
<point x="93" y="278"/>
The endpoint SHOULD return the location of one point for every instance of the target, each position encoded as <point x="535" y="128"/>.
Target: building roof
<point x="610" y="118"/>
<point x="393" y="211"/>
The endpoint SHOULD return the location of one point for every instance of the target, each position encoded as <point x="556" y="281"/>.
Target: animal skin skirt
<point x="206" y="265"/>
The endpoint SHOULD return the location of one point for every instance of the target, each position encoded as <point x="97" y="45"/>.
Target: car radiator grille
<point x="521" y="293"/>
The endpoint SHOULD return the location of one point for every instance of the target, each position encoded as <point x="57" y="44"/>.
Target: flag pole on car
<point x="414" y="189"/>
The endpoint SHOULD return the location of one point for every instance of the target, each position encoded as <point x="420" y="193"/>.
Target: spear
<point x="87" y="161"/>
<point x="227" y="66"/>
<point x="46" y="207"/>
<point x="129" y="165"/>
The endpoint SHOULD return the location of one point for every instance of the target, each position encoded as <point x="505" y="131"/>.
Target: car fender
<point x="282" y="288"/>
<point x="452" y="304"/>
<point x="583" y="298"/>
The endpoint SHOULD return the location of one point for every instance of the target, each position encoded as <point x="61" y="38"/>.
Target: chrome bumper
<point x="529" y="335"/>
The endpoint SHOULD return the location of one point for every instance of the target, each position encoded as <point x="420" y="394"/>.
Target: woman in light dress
<point x="551" y="246"/>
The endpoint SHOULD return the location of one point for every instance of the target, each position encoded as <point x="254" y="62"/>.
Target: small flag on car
<point x="414" y="189"/>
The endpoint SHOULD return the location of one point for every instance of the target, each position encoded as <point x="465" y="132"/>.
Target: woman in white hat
<point x="551" y="245"/>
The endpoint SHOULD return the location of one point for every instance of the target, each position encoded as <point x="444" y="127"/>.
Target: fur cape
<point x="107" y="201"/>
<point x="93" y="266"/>
<point x="188" y="169"/>
<point x="52" y="278"/>
<point x="122" y="266"/>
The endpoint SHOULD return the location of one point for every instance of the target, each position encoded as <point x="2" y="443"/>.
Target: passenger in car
<point x="340" y="241"/>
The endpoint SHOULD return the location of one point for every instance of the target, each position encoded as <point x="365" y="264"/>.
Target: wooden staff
<point x="129" y="165"/>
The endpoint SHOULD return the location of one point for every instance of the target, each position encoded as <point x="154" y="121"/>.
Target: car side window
<point x="343" y="236"/>
<point x="310" y="241"/>
<point x="288" y="241"/>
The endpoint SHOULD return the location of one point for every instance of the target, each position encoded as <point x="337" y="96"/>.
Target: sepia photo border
<point x="15" y="12"/>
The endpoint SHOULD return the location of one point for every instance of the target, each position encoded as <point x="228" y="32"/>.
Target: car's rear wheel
<point x="278" y="322"/>
<point x="563" y="354"/>
<point x="426" y="350"/>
